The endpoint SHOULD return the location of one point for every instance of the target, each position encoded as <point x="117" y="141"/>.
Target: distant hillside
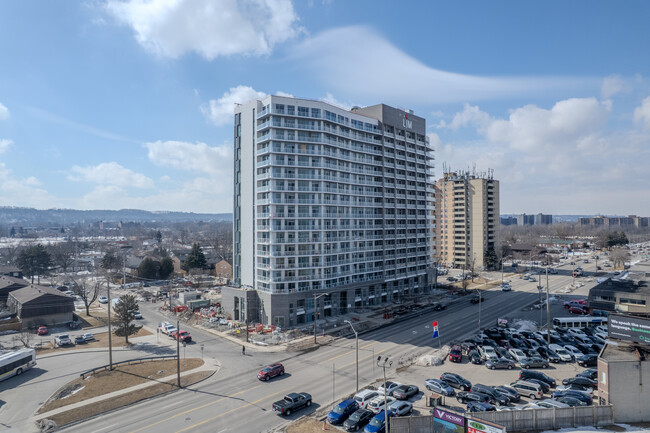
<point x="28" y="216"/>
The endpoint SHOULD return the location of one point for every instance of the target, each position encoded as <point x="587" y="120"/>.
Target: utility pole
<point x="316" y="312"/>
<point x="548" y="311"/>
<point x="110" y="345"/>
<point x="383" y="365"/>
<point x="178" y="354"/>
<point x="356" y="337"/>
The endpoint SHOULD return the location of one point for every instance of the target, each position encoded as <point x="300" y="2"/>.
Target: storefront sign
<point x="447" y="422"/>
<point x="474" y="426"/>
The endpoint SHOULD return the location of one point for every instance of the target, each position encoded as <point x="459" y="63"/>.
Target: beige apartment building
<point x="467" y="219"/>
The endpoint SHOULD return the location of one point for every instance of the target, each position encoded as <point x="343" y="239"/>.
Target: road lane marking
<point x="193" y="409"/>
<point x="347" y="353"/>
<point x="272" y="396"/>
<point x="104" y="428"/>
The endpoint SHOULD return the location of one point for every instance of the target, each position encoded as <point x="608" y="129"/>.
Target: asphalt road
<point x="234" y="400"/>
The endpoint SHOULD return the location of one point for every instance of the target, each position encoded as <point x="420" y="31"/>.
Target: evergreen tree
<point x="147" y="269"/>
<point x="195" y="259"/>
<point x="124" y="316"/>
<point x="34" y="260"/>
<point x="166" y="268"/>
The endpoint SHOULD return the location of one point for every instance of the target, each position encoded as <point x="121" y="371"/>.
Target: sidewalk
<point x="209" y="365"/>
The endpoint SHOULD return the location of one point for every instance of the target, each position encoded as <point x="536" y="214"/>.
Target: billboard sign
<point x="445" y="421"/>
<point x="629" y="328"/>
<point x="479" y="426"/>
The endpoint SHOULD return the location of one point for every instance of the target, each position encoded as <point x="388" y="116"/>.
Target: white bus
<point x="14" y="363"/>
<point x="579" y="322"/>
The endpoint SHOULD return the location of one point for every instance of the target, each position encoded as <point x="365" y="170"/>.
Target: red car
<point x="456" y="354"/>
<point x="577" y="310"/>
<point x="42" y="330"/>
<point x="271" y="371"/>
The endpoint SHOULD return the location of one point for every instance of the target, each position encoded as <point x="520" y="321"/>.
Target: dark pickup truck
<point x="292" y="402"/>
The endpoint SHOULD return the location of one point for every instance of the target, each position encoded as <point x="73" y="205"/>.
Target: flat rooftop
<point x="625" y="352"/>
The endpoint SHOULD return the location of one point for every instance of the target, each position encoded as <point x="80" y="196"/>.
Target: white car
<point x="401" y="408"/>
<point x="390" y="387"/>
<point x="577" y="388"/>
<point x="518" y="354"/>
<point x="103" y="300"/>
<point x="376" y="405"/>
<point x="548" y="403"/>
<point x="88" y="337"/>
<point x="573" y="351"/>
<point x="487" y="353"/>
<point x="576" y="332"/>
<point x="564" y="355"/>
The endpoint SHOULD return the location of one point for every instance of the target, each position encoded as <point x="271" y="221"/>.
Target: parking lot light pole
<point x="356" y="337"/>
<point x="384" y="363"/>
<point x="548" y="311"/>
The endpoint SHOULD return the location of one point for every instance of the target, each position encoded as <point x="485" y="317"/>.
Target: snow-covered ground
<point x="599" y="430"/>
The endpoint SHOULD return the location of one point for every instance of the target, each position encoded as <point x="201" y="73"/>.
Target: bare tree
<point x="25" y="336"/>
<point x="87" y="289"/>
<point x="63" y="255"/>
<point x="619" y="256"/>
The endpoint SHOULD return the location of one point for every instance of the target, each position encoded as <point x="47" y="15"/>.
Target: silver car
<point x="439" y="386"/>
<point x="501" y="363"/>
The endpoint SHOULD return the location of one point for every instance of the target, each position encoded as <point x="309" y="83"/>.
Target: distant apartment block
<point x="467" y="218"/>
<point x="508" y="221"/>
<point x="333" y="210"/>
<point x="534" y="220"/>
<point x="628" y="221"/>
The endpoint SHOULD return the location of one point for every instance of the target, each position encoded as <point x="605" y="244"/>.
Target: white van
<point x="364" y="397"/>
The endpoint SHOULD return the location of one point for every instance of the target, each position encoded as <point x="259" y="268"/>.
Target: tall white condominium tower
<point x="333" y="209"/>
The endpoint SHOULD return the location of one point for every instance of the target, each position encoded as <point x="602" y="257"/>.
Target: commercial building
<point x="333" y="209"/>
<point x="39" y="305"/>
<point x="467" y="219"/>
<point x="623" y="368"/>
<point x="534" y="220"/>
<point x="629" y="295"/>
<point x="628" y="221"/>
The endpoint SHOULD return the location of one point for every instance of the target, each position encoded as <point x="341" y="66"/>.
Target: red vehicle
<point x="575" y="303"/>
<point x="42" y="330"/>
<point x="271" y="371"/>
<point x="456" y="354"/>
<point x="577" y="310"/>
<point x="183" y="336"/>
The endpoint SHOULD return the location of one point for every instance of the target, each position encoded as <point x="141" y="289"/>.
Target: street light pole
<point x="356" y="337"/>
<point x="480" y="301"/>
<point x="548" y="311"/>
<point x="316" y="312"/>
<point x="383" y="364"/>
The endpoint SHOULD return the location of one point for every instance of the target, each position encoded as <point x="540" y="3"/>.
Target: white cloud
<point x="531" y="127"/>
<point x="171" y="28"/>
<point x="330" y="99"/>
<point x="371" y="68"/>
<point x="470" y="116"/>
<point x="4" y="112"/>
<point x="613" y="85"/>
<point x="220" y="111"/>
<point x="5" y="144"/>
<point x="197" y="157"/>
<point x="642" y="113"/>
<point x="110" y="174"/>
<point x="23" y="191"/>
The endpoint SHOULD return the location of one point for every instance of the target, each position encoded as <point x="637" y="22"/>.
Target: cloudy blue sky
<point x="128" y="104"/>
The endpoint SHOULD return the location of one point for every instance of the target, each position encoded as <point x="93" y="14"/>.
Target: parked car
<point x="456" y="354"/>
<point x="579" y="388"/>
<point x="477" y="406"/>
<point x="137" y="315"/>
<point x="581" y="380"/>
<point x="530" y="374"/>
<point x="591" y="373"/>
<point x="549" y="354"/>
<point x="456" y="381"/>
<point x="271" y="371"/>
<point x="512" y="394"/>
<point x="364" y="397"/>
<point x="103" y="300"/>
<point x="42" y="330"/>
<point x="390" y="387"/>
<point x="533" y="362"/>
<point x="528" y="389"/>
<point x="439" y="386"/>
<point x="465" y="397"/>
<point x="475" y="357"/>
<point x="501" y="363"/>
<point x="358" y="420"/>
<point x="575" y="353"/>
<point x="574" y="394"/>
<point x="342" y="411"/>
<point x="378" y="423"/>
<point x="506" y="287"/>
<point x="88" y="336"/>
<point x="62" y="340"/>
<point x="376" y="405"/>
<point x="564" y="355"/>
<point x="405" y="392"/>
<point x="517" y="354"/>
<point x="548" y="403"/>
<point x="401" y="408"/>
<point x="570" y="401"/>
<point x="496" y="397"/>
<point x="487" y="352"/>
<point x="587" y="360"/>
<point x="578" y="310"/>
<point x="291" y="403"/>
<point x="545" y="386"/>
